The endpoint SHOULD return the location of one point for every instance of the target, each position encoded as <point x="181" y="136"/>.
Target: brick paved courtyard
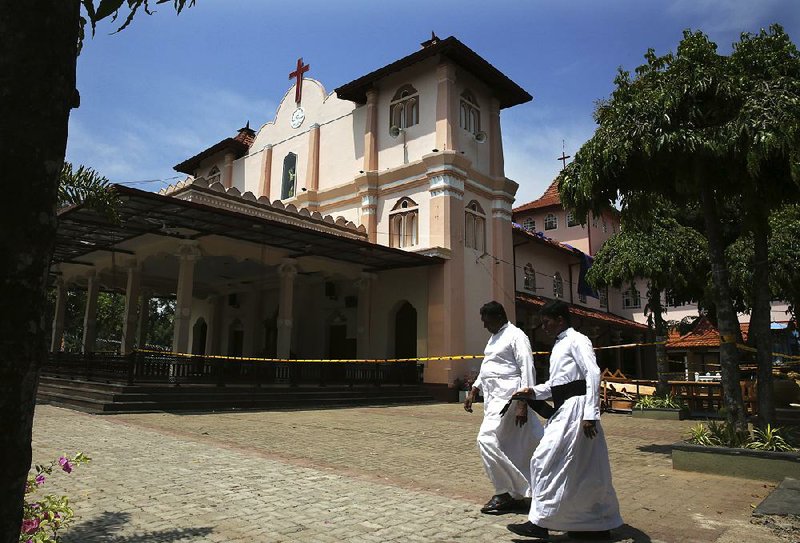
<point x="407" y="473"/>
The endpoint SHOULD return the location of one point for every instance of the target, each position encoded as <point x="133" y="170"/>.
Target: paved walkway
<point x="401" y="474"/>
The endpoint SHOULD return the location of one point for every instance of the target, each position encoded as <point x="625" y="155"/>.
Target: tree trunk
<point x="38" y="52"/>
<point x="760" y="316"/>
<point x="662" y="362"/>
<point x="727" y="321"/>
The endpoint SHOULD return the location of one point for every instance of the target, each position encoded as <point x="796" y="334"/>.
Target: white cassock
<point x="572" y="489"/>
<point x="505" y="448"/>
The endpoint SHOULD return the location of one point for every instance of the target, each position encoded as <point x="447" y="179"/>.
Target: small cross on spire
<point x="563" y="158"/>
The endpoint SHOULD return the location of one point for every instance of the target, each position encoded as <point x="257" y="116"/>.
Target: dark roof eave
<point x="507" y="92"/>
<point x="189" y="165"/>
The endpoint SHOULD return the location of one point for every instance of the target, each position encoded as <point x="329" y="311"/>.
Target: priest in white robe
<point x="572" y="488"/>
<point x="506" y="443"/>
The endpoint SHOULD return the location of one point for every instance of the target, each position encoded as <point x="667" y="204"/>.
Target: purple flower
<point x="30" y="525"/>
<point x="40" y="479"/>
<point x="35" y="505"/>
<point x="65" y="465"/>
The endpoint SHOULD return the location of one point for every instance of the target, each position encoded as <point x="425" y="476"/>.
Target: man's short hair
<point x="555" y="309"/>
<point x="494" y="310"/>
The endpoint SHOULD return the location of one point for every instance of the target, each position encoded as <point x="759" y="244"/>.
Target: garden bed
<point x="733" y="462"/>
<point x="660" y="413"/>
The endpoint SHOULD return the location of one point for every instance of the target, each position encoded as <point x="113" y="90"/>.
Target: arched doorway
<point x="405" y="332"/>
<point x="235" y="338"/>
<point x="199" y="335"/>
<point x="339" y="345"/>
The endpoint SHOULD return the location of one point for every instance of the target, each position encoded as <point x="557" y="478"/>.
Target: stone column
<point x="287" y="271"/>
<point x="445" y="74"/>
<point x="227" y="171"/>
<point x="369" y="216"/>
<point x="363" y="347"/>
<point x="371" y="132"/>
<point x="639" y="371"/>
<point x="265" y="184"/>
<point x="90" y="315"/>
<point x="503" y="250"/>
<point x="312" y="175"/>
<point x="188" y="253"/>
<point x="144" y="320"/>
<point x="58" y="318"/>
<point x="129" y="317"/>
<point x="496" y="161"/>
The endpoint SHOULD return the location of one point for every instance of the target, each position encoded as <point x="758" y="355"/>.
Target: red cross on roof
<point x="298" y="74"/>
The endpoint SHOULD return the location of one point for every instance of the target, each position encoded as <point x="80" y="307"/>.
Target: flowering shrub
<point x="44" y="516"/>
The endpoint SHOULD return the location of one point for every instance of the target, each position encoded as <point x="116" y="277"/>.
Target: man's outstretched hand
<point x="471" y="395"/>
<point x="589" y="428"/>
<point x="521" y="414"/>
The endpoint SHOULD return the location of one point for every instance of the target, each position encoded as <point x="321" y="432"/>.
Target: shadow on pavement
<point x="625" y="532"/>
<point x="104" y="528"/>
<point x="658" y="449"/>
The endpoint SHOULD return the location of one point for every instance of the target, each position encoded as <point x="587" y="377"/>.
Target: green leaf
<point x="107" y="8"/>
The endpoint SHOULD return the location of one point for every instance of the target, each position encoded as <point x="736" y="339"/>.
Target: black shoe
<point x="529" y="529"/>
<point x="502" y="503"/>
<point x="522" y="505"/>
<point x="602" y="535"/>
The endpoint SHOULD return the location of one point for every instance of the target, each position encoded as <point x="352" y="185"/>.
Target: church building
<point x="368" y="222"/>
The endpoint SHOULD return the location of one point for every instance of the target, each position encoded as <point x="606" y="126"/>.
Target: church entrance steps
<point x="95" y="397"/>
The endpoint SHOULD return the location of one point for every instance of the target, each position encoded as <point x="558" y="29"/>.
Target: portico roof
<point x="82" y="231"/>
<point x="536" y="302"/>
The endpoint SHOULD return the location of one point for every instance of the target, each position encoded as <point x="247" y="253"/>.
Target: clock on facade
<point x="298" y="115"/>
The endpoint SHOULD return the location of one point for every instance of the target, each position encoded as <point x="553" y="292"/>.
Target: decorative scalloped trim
<point x="277" y="205"/>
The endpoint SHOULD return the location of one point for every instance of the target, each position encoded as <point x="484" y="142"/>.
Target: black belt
<point x="561" y="393"/>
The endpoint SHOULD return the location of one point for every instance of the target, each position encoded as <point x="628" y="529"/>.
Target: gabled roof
<point x="238" y="145"/>
<point x="505" y="90"/>
<point x="549" y="198"/>
<point x="579" y="311"/>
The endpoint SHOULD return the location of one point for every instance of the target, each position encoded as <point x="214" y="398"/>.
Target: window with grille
<point x="475" y="226"/>
<point x="404" y="107"/>
<point x="469" y="113"/>
<point x="529" y="224"/>
<point x="631" y="298"/>
<point x="571" y="219"/>
<point x="550" y="222"/>
<point x="558" y="286"/>
<point x="529" y="282"/>
<point x="603" y="298"/>
<point x="403" y="223"/>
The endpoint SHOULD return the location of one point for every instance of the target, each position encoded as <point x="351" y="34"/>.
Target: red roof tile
<point x="704" y="334"/>
<point x="541" y="238"/>
<point x="549" y="198"/>
<point x="579" y="311"/>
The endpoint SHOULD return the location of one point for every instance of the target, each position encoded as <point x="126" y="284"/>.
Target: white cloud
<point x="531" y="148"/>
<point x="144" y="143"/>
<point x="727" y="16"/>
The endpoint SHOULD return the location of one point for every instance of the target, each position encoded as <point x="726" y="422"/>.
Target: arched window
<point x="530" y="278"/>
<point x="529" y="224"/>
<point x="213" y="175"/>
<point x="404" y="107"/>
<point x="475" y="227"/>
<point x="403" y="223"/>
<point x="550" y="222"/>
<point x="558" y="286"/>
<point x="631" y="298"/>
<point x="289" y="183"/>
<point x="469" y="113"/>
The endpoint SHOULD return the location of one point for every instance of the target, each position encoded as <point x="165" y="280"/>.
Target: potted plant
<point x="660" y="407"/>
<point x="716" y="447"/>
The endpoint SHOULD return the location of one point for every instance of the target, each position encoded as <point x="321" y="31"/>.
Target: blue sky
<point x="169" y="86"/>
